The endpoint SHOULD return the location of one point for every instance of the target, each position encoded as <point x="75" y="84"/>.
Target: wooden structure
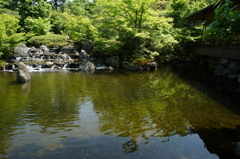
<point x="224" y="49"/>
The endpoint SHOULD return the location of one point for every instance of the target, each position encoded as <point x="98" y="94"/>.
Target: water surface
<point x="116" y="115"/>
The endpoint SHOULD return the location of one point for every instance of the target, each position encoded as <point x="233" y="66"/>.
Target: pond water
<point x="121" y="115"/>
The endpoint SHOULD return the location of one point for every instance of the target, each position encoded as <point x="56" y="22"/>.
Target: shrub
<point x="2" y="63"/>
<point x="49" y="40"/>
<point x="141" y="62"/>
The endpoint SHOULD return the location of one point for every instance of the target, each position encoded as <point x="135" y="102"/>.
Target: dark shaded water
<point x="162" y="114"/>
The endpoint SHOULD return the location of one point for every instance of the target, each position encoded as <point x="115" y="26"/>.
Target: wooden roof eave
<point x="200" y="15"/>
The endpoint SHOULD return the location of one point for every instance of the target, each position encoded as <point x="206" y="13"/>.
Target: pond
<point x="121" y="115"/>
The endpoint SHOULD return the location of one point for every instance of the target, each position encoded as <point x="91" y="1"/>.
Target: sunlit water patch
<point x="113" y="115"/>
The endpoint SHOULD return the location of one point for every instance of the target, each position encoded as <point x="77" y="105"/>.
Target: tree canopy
<point x="134" y="28"/>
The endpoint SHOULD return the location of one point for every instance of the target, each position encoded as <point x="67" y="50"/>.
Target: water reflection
<point x="130" y="146"/>
<point x="151" y="109"/>
<point x="112" y="115"/>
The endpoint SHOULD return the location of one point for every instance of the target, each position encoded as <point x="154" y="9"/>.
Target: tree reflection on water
<point x="64" y="109"/>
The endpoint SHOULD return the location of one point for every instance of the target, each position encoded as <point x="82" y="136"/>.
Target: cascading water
<point x="64" y="66"/>
<point x="38" y="60"/>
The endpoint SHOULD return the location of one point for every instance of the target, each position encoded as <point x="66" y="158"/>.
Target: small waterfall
<point x="18" y="58"/>
<point x="13" y="67"/>
<point x="65" y="66"/>
<point x="102" y="67"/>
<point x="53" y="67"/>
<point x="69" y="58"/>
<point x="28" y="58"/>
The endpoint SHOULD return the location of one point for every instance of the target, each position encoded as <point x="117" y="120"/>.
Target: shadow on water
<point x="222" y="140"/>
<point x="204" y="81"/>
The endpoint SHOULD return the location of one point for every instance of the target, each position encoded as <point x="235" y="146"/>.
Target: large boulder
<point x="64" y="57"/>
<point x="152" y="65"/>
<point x="83" y="56"/>
<point x="44" y="49"/>
<point x="234" y="66"/>
<point x="23" y="74"/>
<point x="113" y="61"/>
<point x="135" y="68"/>
<point x="87" y="66"/>
<point x="219" y="71"/>
<point x="75" y="52"/>
<point x="88" y="46"/>
<point x="22" y="50"/>
<point x="225" y="62"/>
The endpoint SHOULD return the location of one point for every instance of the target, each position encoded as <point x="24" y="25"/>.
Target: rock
<point x="225" y="62"/>
<point x="237" y="149"/>
<point x="87" y="66"/>
<point x="44" y="49"/>
<point x="49" y="63"/>
<point x="232" y="77"/>
<point x="75" y="52"/>
<point x="110" y="68"/>
<point x="22" y="50"/>
<point x="135" y="68"/>
<point x="146" y="68"/>
<point x="64" y="56"/>
<point x="126" y="64"/>
<point x="219" y="71"/>
<point x="152" y="65"/>
<point x="234" y="66"/>
<point x="113" y="61"/>
<point x="83" y="56"/>
<point x="23" y="74"/>
<point x="88" y="46"/>
<point x="35" y="51"/>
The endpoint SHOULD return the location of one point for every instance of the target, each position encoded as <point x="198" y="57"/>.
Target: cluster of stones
<point x="87" y="61"/>
<point x="22" y="53"/>
<point x="227" y="75"/>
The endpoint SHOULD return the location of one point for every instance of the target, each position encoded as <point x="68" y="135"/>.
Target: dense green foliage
<point x="79" y="28"/>
<point x="38" y="26"/>
<point x="227" y="21"/>
<point x="134" y="28"/>
<point x="9" y="37"/>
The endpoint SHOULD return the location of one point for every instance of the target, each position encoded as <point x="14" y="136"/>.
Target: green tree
<point x="77" y="7"/>
<point x="5" y="9"/>
<point x="58" y="20"/>
<point x="57" y="4"/>
<point x="38" y="26"/>
<point x="33" y="9"/>
<point x="79" y="28"/>
<point x="8" y="36"/>
<point x="133" y="22"/>
<point x="185" y="33"/>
